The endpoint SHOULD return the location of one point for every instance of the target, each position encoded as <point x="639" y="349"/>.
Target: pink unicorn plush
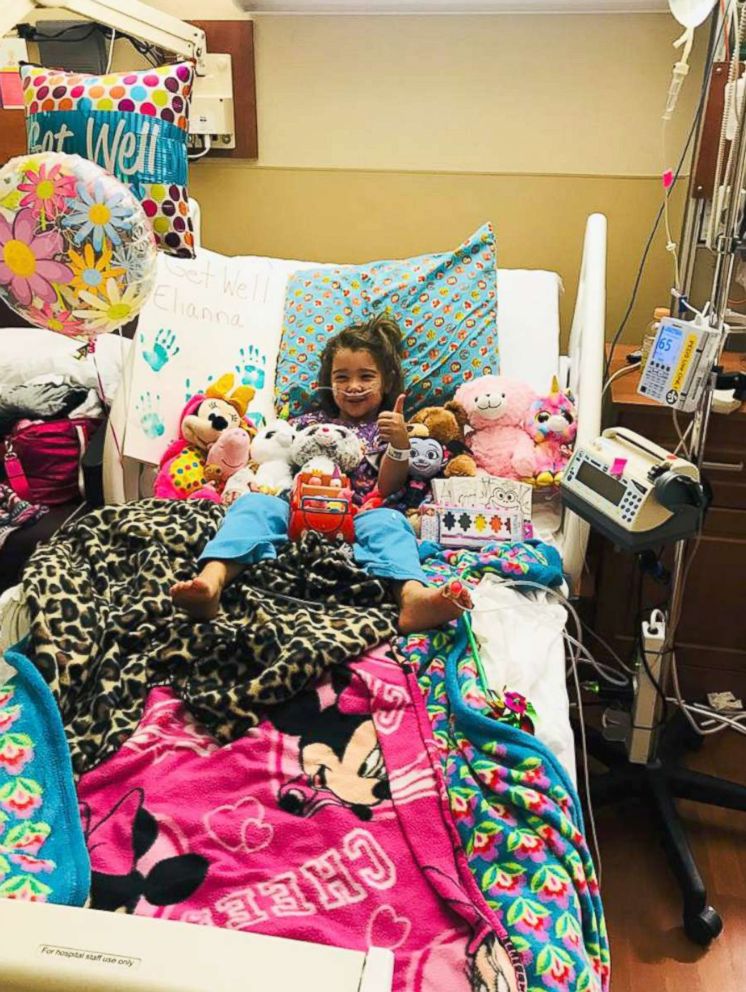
<point x="497" y="409"/>
<point x="552" y="422"/>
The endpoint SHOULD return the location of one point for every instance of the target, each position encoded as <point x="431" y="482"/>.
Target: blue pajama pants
<point x="256" y="525"/>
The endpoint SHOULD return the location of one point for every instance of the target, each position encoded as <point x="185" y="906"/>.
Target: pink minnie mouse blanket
<point x="326" y="823"/>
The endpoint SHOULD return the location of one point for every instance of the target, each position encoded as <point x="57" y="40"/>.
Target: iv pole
<point x="725" y="258"/>
<point x="652" y="772"/>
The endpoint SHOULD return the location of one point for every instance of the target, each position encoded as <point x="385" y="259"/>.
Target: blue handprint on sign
<point x="250" y="368"/>
<point x="164" y="348"/>
<point x="150" y="419"/>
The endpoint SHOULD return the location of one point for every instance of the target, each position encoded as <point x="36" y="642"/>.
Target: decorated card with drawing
<point x="207" y="316"/>
<point x="484" y="491"/>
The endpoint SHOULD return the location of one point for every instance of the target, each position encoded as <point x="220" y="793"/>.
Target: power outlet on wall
<point x="211" y="112"/>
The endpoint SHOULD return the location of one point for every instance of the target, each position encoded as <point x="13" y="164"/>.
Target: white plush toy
<point x="270" y="450"/>
<point x="270" y="469"/>
<point x="321" y="447"/>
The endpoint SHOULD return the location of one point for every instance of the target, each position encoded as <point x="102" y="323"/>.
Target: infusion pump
<point x="681" y="359"/>
<point x="634" y="492"/>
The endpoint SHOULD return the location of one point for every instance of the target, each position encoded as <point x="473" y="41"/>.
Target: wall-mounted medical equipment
<point x="634" y="492"/>
<point x="212" y="115"/>
<point x="679" y="362"/>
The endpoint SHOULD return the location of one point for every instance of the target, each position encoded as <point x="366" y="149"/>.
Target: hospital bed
<point x="529" y="332"/>
<point x="530" y="337"/>
<point x="530" y="350"/>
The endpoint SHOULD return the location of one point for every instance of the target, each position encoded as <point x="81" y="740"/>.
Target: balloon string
<point x="102" y="396"/>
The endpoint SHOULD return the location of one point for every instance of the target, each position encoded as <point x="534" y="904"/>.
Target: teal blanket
<point x="516" y="810"/>
<point x="43" y="856"/>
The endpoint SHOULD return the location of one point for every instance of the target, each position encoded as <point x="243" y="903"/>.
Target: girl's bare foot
<point x="199" y="597"/>
<point x="424" y="607"/>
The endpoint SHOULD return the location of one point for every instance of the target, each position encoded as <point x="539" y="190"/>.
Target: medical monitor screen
<point x="601" y="483"/>
<point x="669" y="342"/>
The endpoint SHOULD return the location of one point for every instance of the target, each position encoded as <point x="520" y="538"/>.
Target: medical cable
<point x="611" y="675"/>
<point x="111" y="50"/>
<point x="620" y="373"/>
<point x="612" y="652"/>
<point x="723" y="721"/>
<point x="346" y="393"/>
<point x="682" y="436"/>
<point x="651" y="235"/>
<point x="205" y="150"/>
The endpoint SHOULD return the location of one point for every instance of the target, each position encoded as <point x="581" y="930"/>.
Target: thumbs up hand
<point x="392" y="427"/>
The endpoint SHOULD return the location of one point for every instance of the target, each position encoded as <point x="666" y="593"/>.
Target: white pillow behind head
<point x="29" y="352"/>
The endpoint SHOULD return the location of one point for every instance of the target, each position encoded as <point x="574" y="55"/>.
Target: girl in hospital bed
<point x="361" y="387"/>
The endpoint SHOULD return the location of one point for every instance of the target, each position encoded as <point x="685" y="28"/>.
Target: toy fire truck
<point x="323" y="503"/>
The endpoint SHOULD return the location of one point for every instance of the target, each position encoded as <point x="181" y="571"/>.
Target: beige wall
<point x="384" y="136"/>
<point x="352" y="216"/>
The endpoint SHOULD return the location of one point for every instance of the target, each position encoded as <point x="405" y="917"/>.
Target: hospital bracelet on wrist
<point x="397" y="454"/>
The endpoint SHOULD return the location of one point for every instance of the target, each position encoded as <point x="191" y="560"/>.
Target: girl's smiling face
<point x="357" y="385"/>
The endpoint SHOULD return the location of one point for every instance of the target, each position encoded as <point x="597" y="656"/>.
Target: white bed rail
<point x="582" y="372"/>
<point x="123" y="477"/>
<point x="585" y="374"/>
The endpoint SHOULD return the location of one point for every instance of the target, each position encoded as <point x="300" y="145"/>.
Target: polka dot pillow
<point x="132" y="124"/>
<point x="445" y="304"/>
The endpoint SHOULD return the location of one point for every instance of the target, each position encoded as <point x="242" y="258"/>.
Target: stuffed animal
<point x="425" y="462"/>
<point x="446" y="425"/>
<point x="497" y="409"/>
<point x="228" y="455"/>
<point x="182" y="470"/>
<point x="552" y="422"/>
<point x="324" y="447"/>
<point x="269" y="470"/>
<point x="270" y="452"/>
<point x="426" y="458"/>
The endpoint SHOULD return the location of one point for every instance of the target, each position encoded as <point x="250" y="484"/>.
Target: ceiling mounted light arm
<point x="130" y="17"/>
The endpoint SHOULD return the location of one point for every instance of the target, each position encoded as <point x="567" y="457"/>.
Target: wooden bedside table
<point x="711" y="639"/>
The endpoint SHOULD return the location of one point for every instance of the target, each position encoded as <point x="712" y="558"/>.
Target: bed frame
<point x="45" y="947"/>
<point x="582" y="368"/>
<point x="582" y="371"/>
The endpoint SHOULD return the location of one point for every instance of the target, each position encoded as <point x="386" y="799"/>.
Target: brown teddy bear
<point x="446" y="424"/>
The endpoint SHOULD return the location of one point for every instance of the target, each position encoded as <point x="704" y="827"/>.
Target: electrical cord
<point x="606" y="672"/>
<point x="625" y="370"/>
<point x="639" y="647"/>
<point x="646" y="250"/>
<point x="627" y="668"/>
<point x="655" y="683"/>
<point x="682" y="436"/>
<point x="725" y="721"/>
<point x="34" y="34"/>
<point x="149" y="52"/>
<point x="205" y="150"/>
<point x="110" y="59"/>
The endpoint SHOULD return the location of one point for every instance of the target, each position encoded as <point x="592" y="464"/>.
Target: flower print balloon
<point x="77" y="254"/>
<point x="29" y="265"/>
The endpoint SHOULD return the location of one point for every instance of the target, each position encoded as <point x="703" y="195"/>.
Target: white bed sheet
<point x="521" y="646"/>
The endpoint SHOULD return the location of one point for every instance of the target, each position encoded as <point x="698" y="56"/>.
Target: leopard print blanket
<point x="104" y="629"/>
